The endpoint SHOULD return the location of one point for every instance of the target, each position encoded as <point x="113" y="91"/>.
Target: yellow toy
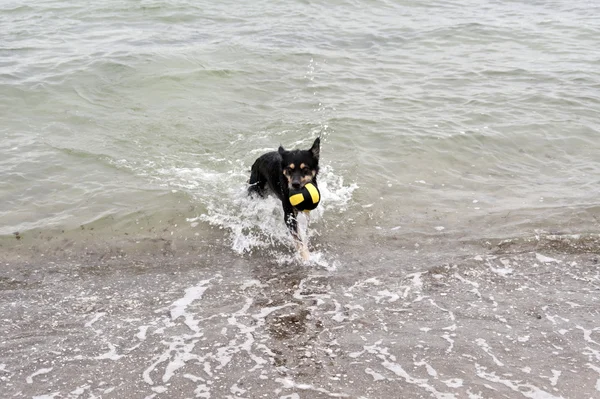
<point x="306" y="199"/>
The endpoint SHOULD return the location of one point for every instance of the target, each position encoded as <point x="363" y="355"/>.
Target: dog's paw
<point x="303" y="250"/>
<point x="305" y="254"/>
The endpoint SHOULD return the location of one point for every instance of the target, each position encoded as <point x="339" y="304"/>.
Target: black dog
<point x="282" y="171"/>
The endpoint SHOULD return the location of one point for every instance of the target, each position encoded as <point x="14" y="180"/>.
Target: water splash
<point x="251" y="224"/>
<point x="257" y="223"/>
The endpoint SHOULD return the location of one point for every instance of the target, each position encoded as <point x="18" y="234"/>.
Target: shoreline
<point x="430" y="323"/>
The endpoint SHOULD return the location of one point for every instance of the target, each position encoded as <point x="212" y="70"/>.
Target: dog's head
<point x="300" y="166"/>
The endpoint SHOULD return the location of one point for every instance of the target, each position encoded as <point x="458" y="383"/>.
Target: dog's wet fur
<point x="281" y="171"/>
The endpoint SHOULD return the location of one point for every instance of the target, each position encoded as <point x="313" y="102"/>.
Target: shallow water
<point x="479" y="119"/>
<point x="452" y="131"/>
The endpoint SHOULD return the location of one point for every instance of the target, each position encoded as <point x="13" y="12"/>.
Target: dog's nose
<point x="295" y="186"/>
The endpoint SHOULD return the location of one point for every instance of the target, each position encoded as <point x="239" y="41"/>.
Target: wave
<point x="583" y="243"/>
<point x="254" y="224"/>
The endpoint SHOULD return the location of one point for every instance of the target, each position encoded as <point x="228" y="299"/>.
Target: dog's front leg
<point x="291" y="221"/>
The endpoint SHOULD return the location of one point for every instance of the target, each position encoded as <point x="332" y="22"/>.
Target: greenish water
<point x="482" y="120"/>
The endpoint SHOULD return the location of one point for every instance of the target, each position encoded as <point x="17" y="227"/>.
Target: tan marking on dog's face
<point x="287" y="176"/>
<point x="292" y="166"/>
<point x="302" y="165"/>
<point x="306" y="179"/>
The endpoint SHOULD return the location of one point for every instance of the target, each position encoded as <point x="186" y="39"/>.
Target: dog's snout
<point x="295" y="185"/>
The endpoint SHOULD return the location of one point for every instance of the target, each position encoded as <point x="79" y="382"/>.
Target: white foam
<point x="236" y="390"/>
<point x="587" y="334"/>
<point x="430" y="370"/>
<point x="202" y="391"/>
<point x="316" y="258"/>
<point x="95" y="319"/>
<point x="448" y="337"/>
<point x="111" y="354"/>
<point x="546" y="259"/>
<point x="77" y="392"/>
<point x="42" y="371"/>
<point x="264" y="312"/>
<point x="376" y="376"/>
<point x="389" y="362"/>
<point x="288" y="383"/>
<point x="181" y="354"/>
<point x="554" y="318"/>
<point x="473" y="395"/>
<point x="525" y="389"/>
<point x="191" y="294"/>
<point x="464" y="280"/>
<point x="252" y="283"/>
<point x="355" y="355"/>
<point x="417" y="282"/>
<point x="369" y="281"/>
<point x="178" y="308"/>
<point x="48" y="396"/>
<point x="381" y="295"/>
<point x="592" y="352"/>
<point x="487" y="349"/>
<point x="450" y="314"/>
<point x="142" y="330"/>
<point x="555" y="375"/>
<point x="454" y="382"/>
<point x="421" y="382"/>
<point x="501" y="271"/>
<point x="193" y="378"/>
<point x="338" y="313"/>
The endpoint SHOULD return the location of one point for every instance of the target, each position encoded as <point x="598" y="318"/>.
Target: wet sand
<point x="484" y="320"/>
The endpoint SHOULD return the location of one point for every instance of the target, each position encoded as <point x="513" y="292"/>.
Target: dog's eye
<point x="306" y="171"/>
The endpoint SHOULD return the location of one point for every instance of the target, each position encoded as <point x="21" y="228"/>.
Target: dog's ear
<point x="281" y="150"/>
<point x="316" y="148"/>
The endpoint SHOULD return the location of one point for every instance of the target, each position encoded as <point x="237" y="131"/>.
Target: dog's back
<point x="266" y="170"/>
